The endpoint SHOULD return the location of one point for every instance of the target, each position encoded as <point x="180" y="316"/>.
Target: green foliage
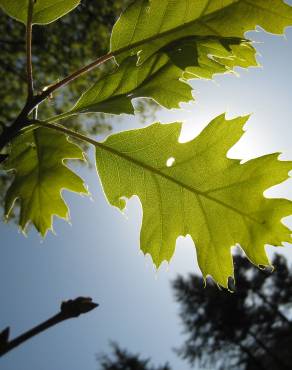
<point x="216" y="200"/>
<point x="53" y="59"/>
<point x="162" y="77"/>
<point x="158" y="46"/>
<point x="44" y="11"/>
<point x="38" y="160"/>
<point x="158" y="78"/>
<point x="168" y="21"/>
<point x="222" y="56"/>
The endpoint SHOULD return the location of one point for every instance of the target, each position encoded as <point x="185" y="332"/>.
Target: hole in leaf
<point x="170" y="162"/>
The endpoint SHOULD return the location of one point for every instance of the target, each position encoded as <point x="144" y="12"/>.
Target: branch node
<point x="76" y="307"/>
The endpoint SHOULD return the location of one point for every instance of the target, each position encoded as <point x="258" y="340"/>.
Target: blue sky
<point x="98" y="255"/>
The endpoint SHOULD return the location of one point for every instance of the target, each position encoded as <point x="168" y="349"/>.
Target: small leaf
<point x="44" y="11"/>
<point x="222" y="56"/>
<point x="194" y="189"/>
<point x="40" y="175"/>
<point x="157" y="23"/>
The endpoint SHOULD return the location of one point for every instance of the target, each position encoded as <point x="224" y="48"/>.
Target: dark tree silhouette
<point x="248" y="329"/>
<point x="123" y="360"/>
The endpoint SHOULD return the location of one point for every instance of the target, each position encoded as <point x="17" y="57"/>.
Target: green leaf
<point x="218" y="201"/>
<point x="44" y="11"/>
<point x="40" y="175"/>
<point x="163" y="76"/>
<point x="222" y="56"/>
<point x="153" y="25"/>
<point x="158" y="79"/>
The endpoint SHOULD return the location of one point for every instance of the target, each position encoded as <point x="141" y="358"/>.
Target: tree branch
<point x="47" y="92"/>
<point x="275" y="309"/>
<point x="22" y="120"/>
<point x="68" y="310"/>
<point x="64" y="130"/>
<point x="253" y="358"/>
<point x="29" y="50"/>
<point x="269" y="352"/>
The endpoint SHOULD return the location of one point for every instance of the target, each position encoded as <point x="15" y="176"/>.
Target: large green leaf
<point x="216" y="200"/>
<point x="40" y="175"/>
<point x="153" y="25"/>
<point x="163" y="76"/>
<point x="44" y="11"/>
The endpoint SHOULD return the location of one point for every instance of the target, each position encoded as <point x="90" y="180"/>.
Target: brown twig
<point x="23" y="119"/>
<point x="69" y="309"/>
<point x="29" y="50"/>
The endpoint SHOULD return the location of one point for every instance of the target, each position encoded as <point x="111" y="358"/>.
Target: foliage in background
<point x="123" y="360"/>
<point x="58" y="49"/>
<point x="249" y="329"/>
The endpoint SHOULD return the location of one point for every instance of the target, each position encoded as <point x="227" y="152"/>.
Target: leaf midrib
<point x="38" y="13"/>
<point x="154" y="37"/>
<point x="174" y="180"/>
<point x="111" y="150"/>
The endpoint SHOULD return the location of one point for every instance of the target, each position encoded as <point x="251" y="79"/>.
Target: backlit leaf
<point x="158" y="79"/>
<point x="44" y="11"/>
<point x="157" y="23"/>
<point x="40" y="175"/>
<point x="194" y="189"/>
<point x="163" y="76"/>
